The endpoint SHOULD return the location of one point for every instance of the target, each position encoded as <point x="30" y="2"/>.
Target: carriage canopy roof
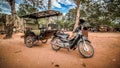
<point x="43" y="14"/>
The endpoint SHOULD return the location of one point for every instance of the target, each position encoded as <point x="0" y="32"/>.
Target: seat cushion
<point x="36" y="32"/>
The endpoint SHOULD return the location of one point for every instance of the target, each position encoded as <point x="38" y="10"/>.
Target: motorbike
<point x="60" y="40"/>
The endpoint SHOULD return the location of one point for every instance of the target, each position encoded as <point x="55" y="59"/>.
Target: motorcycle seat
<point x="62" y="35"/>
<point x="64" y="40"/>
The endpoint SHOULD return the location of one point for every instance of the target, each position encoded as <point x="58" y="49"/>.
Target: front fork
<point x="85" y="46"/>
<point x="84" y="39"/>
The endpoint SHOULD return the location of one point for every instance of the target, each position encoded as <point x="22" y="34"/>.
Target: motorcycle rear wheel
<point x="54" y="44"/>
<point x="86" y="51"/>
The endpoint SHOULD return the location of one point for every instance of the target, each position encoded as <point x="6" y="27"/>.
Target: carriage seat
<point x="36" y="32"/>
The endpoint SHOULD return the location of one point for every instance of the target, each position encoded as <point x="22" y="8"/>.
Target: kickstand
<point x="74" y="48"/>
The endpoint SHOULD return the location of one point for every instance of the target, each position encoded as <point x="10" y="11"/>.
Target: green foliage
<point x="36" y="3"/>
<point x="26" y="9"/>
<point x="60" y="23"/>
<point x="102" y="13"/>
<point x="113" y="9"/>
<point x="70" y="17"/>
<point x="117" y="25"/>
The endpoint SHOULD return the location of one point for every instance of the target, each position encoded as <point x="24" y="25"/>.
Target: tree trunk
<point x="9" y="31"/>
<point x="77" y="17"/>
<point x="10" y="25"/>
<point x="48" y="21"/>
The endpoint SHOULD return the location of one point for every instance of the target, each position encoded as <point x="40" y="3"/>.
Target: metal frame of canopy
<point x="42" y="14"/>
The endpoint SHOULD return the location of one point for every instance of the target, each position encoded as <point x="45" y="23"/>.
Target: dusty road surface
<point x="14" y="54"/>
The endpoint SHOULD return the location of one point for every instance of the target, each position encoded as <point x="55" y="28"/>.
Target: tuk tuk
<point x="42" y="34"/>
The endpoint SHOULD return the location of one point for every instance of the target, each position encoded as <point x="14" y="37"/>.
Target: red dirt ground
<point x="14" y="54"/>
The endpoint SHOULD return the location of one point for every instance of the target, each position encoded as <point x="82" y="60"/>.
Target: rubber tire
<point x="29" y="41"/>
<point x="81" y="52"/>
<point x="54" y="47"/>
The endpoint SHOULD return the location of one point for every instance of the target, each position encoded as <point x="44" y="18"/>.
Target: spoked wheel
<point x="55" y="43"/>
<point x="44" y="41"/>
<point x="29" y="41"/>
<point x="86" y="49"/>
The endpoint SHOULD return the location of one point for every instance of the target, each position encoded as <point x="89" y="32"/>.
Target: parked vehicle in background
<point x="41" y="33"/>
<point x="117" y="29"/>
<point x="103" y="28"/>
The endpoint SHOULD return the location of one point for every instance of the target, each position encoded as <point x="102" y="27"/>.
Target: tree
<point x="26" y="9"/>
<point x="2" y="21"/>
<point x="9" y="29"/>
<point x="94" y="13"/>
<point x="49" y="7"/>
<point x="113" y="8"/>
<point x="103" y="13"/>
<point x="0" y="10"/>
<point x="35" y="3"/>
<point x="70" y="17"/>
<point x="77" y="2"/>
<point x="2" y="18"/>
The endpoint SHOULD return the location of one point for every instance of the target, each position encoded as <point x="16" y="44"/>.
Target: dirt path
<point x="14" y="54"/>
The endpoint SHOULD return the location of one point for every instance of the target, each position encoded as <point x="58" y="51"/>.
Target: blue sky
<point x="5" y="7"/>
<point x="64" y="8"/>
<point x="60" y="5"/>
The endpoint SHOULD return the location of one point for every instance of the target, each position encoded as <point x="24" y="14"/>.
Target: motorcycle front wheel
<point x="86" y="49"/>
<point x="55" y="44"/>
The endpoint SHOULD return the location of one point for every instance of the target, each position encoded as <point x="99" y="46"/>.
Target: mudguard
<point x="83" y="39"/>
